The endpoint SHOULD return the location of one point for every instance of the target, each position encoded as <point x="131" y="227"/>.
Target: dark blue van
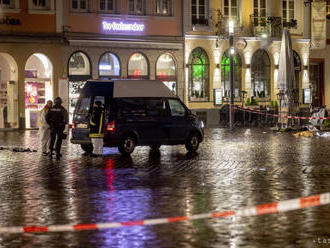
<point x="138" y="113"/>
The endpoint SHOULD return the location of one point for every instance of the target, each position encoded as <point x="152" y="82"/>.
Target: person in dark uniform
<point x="96" y="125"/>
<point x="57" y="118"/>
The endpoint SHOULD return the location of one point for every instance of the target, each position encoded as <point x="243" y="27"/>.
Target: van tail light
<point x="73" y="126"/>
<point x="110" y="126"/>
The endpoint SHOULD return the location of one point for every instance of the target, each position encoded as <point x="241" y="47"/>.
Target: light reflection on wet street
<point x="231" y="171"/>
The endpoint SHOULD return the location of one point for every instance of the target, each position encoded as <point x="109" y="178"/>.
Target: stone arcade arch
<point x="8" y="92"/>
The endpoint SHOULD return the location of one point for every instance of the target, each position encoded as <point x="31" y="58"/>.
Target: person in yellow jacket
<point x="96" y="126"/>
<point x="44" y="129"/>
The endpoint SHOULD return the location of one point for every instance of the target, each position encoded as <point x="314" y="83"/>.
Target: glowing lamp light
<point x="231" y="27"/>
<point x="232" y="51"/>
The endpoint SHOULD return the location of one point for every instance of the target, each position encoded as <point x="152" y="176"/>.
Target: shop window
<point x="230" y="9"/>
<point x="109" y="66"/>
<point x="40" y="4"/>
<point x="38" y="87"/>
<point x="259" y="12"/>
<point x="288" y="8"/>
<point x="138" y="67"/>
<point x="199" y="12"/>
<point x="260" y="74"/>
<point x="79" y="72"/>
<point x="108" y="6"/>
<point x="163" y="7"/>
<point x="79" y="5"/>
<point x="136" y="7"/>
<point x="79" y="64"/>
<point x="198" y="75"/>
<point x="166" y="71"/>
<point x="225" y="71"/>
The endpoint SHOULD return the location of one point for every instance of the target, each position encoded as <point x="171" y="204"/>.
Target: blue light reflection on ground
<point x="115" y="204"/>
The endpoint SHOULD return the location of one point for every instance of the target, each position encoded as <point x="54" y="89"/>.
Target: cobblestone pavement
<point x="230" y="171"/>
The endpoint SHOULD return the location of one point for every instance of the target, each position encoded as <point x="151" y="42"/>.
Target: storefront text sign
<point x="130" y="27"/>
<point x="319" y="25"/>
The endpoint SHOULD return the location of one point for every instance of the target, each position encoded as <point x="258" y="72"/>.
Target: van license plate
<point x="81" y="125"/>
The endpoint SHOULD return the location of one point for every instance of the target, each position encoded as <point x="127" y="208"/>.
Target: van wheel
<point x="88" y="148"/>
<point x="155" y="147"/>
<point x="127" y="145"/>
<point x="192" y="142"/>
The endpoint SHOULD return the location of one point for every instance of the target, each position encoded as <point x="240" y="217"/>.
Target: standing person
<point x="57" y="117"/>
<point x="44" y="128"/>
<point x="96" y="125"/>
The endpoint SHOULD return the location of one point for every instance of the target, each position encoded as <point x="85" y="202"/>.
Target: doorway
<point x="316" y="77"/>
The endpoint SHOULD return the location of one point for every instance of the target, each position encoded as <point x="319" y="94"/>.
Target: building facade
<point x="50" y="48"/>
<point x="257" y="39"/>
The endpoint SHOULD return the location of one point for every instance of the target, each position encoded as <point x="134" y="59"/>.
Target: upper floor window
<point x="259" y="12"/>
<point x="136" y="7"/>
<point x="79" y="5"/>
<point x="199" y="12"/>
<point x="5" y="4"/>
<point x="108" y="6"/>
<point x="164" y="7"/>
<point x="328" y="8"/>
<point x="40" y="4"/>
<point x="287" y="10"/>
<point x="230" y="8"/>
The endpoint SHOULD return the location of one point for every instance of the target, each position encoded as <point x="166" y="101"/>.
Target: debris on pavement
<point x="17" y="149"/>
<point x="307" y="133"/>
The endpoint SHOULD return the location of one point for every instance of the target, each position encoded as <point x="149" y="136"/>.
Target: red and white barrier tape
<point x="258" y="111"/>
<point x="275" y="207"/>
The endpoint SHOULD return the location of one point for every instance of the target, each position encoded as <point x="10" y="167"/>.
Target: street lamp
<point x="231" y="74"/>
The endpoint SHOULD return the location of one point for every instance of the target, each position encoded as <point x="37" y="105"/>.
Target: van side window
<point x="155" y="107"/>
<point x="83" y="106"/>
<point x="132" y="107"/>
<point x="176" y="108"/>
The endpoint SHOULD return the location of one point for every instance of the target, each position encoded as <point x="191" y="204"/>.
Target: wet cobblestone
<point x="229" y="172"/>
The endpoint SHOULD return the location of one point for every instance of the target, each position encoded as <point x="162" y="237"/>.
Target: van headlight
<point x="201" y="124"/>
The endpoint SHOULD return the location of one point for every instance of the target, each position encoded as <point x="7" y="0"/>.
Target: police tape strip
<point x="275" y="207"/>
<point x="258" y="111"/>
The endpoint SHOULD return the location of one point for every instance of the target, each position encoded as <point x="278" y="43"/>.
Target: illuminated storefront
<point x="138" y="67"/>
<point x="166" y="71"/>
<point x="79" y="68"/>
<point x="38" y="87"/>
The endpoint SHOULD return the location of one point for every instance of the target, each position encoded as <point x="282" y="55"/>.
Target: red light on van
<point x="73" y="126"/>
<point x="110" y="126"/>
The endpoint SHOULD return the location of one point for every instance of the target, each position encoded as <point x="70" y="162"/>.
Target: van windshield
<point x="83" y="105"/>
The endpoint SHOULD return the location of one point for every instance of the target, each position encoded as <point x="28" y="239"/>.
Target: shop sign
<point x="115" y="26"/>
<point x="9" y="21"/>
<point x="319" y="25"/>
